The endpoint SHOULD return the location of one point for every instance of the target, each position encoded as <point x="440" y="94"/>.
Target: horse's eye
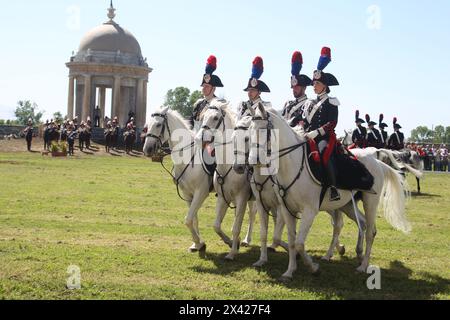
<point x="158" y="125"/>
<point x="216" y="118"/>
<point x="247" y="139"/>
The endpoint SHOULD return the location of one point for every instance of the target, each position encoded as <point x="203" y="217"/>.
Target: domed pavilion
<point x="109" y="57"/>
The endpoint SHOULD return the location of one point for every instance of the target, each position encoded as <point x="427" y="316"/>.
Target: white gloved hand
<point x="312" y="135"/>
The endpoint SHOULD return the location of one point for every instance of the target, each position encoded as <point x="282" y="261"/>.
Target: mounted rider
<point x="209" y="84"/>
<point x="373" y="135"/>
<point x="320" y="120"/>
<point x="360" y="133"/>
<point x="383" y="133"/>
<point x="293" y="110"/>
<point x="254" y="89"/>
<point x="397" y="139"/>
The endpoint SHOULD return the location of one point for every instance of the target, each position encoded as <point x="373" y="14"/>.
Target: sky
<point x="390" y="57"/>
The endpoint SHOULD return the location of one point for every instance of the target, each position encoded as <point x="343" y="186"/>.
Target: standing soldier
<point x="71" y="136"/>
<point x="384" y="134"/>
<point x="97" y="117"/>
<point x="397" y="139"/>
<point x="360" y="133"/>
<point x="29" y="134"/>
<point x="373" y="135"/>
<point x="321" y="118"/>
<point x="293" y="110"/>
<point x="81" y="135"/>
<point x="46" y="135"/>
<point x="254" y="89"/>
<point x="108" y="136"/>
<point x="209" y="84"/>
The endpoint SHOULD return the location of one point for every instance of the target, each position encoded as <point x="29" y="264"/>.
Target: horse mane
<point x="225" y="107"/>
<point x="180" y="118"/>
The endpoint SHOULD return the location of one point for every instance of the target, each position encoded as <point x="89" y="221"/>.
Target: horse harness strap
<point x="260" y="187"/>
<point x="221" y="182"/>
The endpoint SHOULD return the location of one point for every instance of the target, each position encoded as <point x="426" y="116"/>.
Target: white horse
<point x="299" y="193"/>
<point x="189" y="175"/>
<point x="405" y="161"/>
<point x="232" y="188"/>
<point x="268" y="202"/>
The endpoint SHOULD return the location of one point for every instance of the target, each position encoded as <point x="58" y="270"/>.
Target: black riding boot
<point x="334" y="194"/>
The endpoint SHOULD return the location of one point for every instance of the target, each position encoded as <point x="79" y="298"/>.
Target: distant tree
<point x="58" y="117"/>
<point x="195" y="96"/>
<point x="2" y="122"/>
<point x="181" y="100"/>
<point x="439" y="134"/>
<point x="421" y="134"/>
<point x="447" y="134"/>
<point x="27" y="110"/>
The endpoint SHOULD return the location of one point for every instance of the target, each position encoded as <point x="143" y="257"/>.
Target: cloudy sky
<point x="391" y="57"/>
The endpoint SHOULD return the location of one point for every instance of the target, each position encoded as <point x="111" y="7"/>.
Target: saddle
<point x="351" y="174"/>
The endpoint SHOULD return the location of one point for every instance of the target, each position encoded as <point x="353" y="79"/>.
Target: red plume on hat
<point x="211" y="65"/>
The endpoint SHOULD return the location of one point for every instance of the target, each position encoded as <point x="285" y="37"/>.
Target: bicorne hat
<point x="257" y="71"/>
<point x="326" y="78"/>
<point x="209" y="77"/>
<point x="298" y="79"/>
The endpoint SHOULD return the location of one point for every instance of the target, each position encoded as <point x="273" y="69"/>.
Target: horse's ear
<point x="263" y="110"/>
<point x="164" y="110"/>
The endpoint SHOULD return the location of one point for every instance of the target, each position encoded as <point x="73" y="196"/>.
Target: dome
<point x="110" y="37"/>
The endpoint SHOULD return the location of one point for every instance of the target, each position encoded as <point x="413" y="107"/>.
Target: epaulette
<point x="334" y="102"/>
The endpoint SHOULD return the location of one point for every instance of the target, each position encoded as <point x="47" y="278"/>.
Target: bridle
<point x="165" y="125"/>
<point x="282" y="191"/>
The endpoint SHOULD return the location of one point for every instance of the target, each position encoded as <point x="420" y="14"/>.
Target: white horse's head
<point x="260" y="133"/>
<point x="158" y="132"/>
<point x="241" y="142"/>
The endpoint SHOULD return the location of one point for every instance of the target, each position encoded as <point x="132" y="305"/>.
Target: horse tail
<point x="394" y="196"/>
<point x="397" y="165"/>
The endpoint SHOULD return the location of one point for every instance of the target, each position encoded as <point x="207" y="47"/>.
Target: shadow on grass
<point x="425" y="195"/>
<point x="337" y="279"/>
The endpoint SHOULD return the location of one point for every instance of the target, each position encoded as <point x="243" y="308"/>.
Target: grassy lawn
<point x="119" y="219"/>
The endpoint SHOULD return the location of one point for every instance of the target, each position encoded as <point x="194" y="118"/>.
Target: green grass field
<point x="119" y="219"/>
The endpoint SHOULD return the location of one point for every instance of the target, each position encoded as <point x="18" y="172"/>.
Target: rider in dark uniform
<point x="321" y="117"/>
<point x="293" y="110"/>
<point x="360" y="133"/>
<point x="373" y="135"/>
<point x="29" y="134"/>
<point x="397" y="139"/>
<point x="384" y="134"/>
<point x="209" y="84"/>
<point x="254" y="89"/>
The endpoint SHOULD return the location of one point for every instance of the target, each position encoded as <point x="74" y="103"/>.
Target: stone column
<point x="71" y="97"/>
<point x="102" y="98"/>
<point x="86" y="98"/>
<point x="140" y="107"/>
<point x="144" y="108"/>
<point x="116" y="97"/>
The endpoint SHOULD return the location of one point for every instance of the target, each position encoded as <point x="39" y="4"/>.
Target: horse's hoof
<point x="245" y="244"/>
<point x="285" y="279"/>
<point x="361" y="269"/>
<point x="203" y="248"/>
<point x="341" y="250"/>
<point x="259" y="264"/>
<point x="315" y="270"/>
<point x="229" y="258"/>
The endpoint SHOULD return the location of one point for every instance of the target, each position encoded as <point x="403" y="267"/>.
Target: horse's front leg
<point x="291" y="223"/>
<point x="278" y="231"/>
<point x="221" y="210"/>
<point x="192" y="221"/>
<point x="264" y="226"/>
<point x="307" y="221"/>
<point x="252" y="215"/>
<point x="241" y="205"/>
